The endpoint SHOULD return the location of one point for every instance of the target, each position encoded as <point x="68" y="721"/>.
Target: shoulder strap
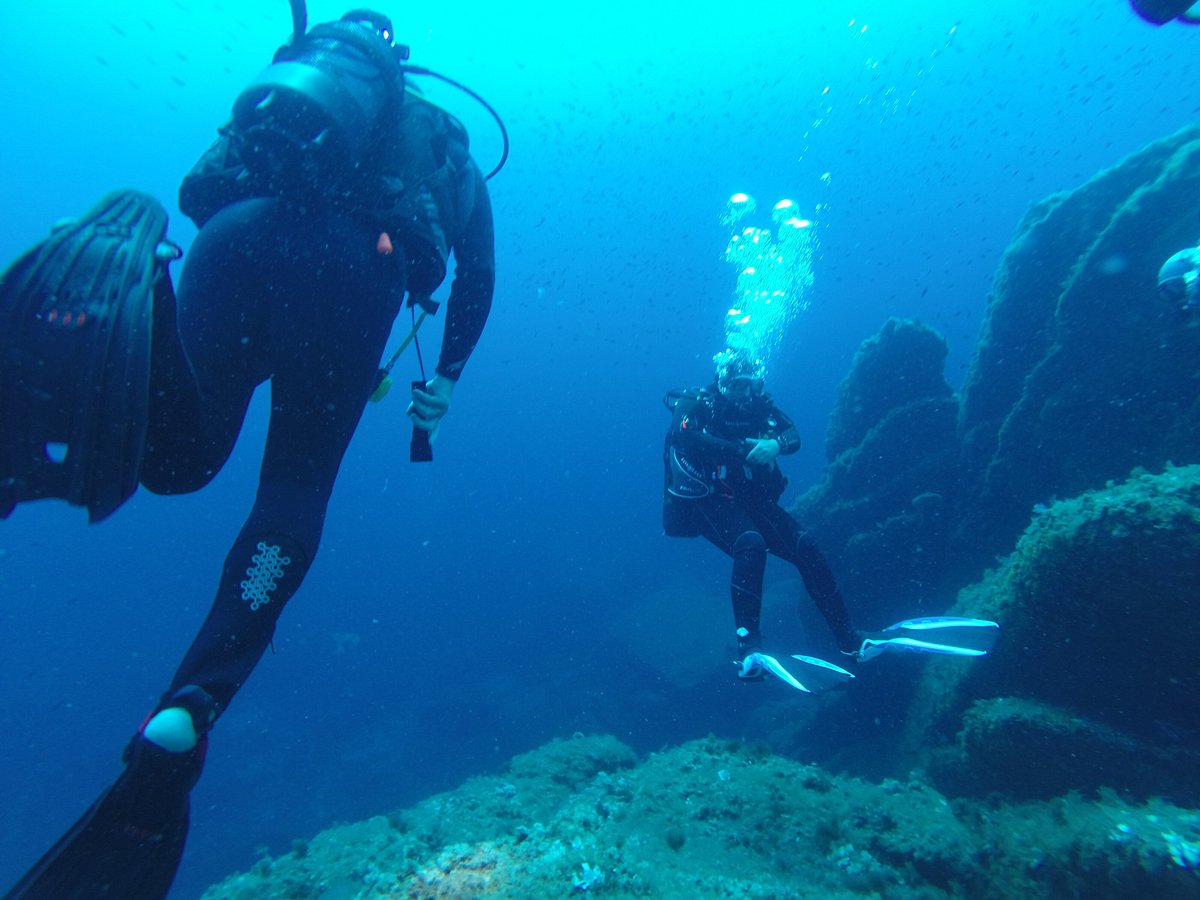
<point x="672" y="397"/>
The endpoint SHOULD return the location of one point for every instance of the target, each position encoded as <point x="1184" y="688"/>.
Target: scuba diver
<point x="334" y="190"/>
<point x="1179" y="278"/>
<point x="723" y="482"/>
<point x="1160" y="12"/>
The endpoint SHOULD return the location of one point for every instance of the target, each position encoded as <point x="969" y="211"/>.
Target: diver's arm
<point x="785" y="434"/>
<point x="689" y="433"/>
<point x="781" y="439"/>
<point x="474" y="279"/>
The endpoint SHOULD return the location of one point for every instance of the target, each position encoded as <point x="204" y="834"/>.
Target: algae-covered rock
<point x="1079" y="847"/>
<point x="1094" y="679"/>
<point x="719" y="819"/>
<point x="573" y="761"/>
<point x="882" y="509"/>
<point x="1024" y="748"/>
<point x="1101" y="614"/>
<point x="1083" y="371"/>
<point x="533" y="787"/>
<point x="903" y="364"/>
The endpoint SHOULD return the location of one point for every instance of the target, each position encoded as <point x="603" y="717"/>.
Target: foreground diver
<point x="723" y="482"/>
<point x="1160" y="12"/>
<point x="333" y="190"/>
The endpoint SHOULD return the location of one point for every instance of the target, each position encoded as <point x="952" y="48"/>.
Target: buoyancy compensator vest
<point x="420" y="194"/>
<point x="692" y="476"/>
<point x="684" y="481"/>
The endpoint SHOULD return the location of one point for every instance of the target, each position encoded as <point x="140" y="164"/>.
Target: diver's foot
<point x="751" y="669"/>
<point x="749" y="645"/>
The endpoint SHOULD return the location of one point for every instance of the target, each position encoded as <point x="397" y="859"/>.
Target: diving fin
<point x="942" y="635"/>
<point x="129" y="843"/>
<point x="822" y="674"/>
<point x="756" y="664"/>
<point x="76" y="315"/>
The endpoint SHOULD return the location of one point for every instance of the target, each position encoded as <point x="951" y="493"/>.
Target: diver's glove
<point x="763" y="452"/>
<point x="428" y="406"/>
<point x="939" y="635"/>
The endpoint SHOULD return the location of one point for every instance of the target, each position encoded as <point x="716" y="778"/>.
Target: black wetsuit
<point x="300" y="296"/>
<point x="738" y="511"/>
<point x="301" y="292"/>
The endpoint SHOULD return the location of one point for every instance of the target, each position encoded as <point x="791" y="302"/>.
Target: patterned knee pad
<point x="268" y="568"/>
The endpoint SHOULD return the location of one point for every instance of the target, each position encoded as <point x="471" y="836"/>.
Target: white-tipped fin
<point x="772" y="665"/>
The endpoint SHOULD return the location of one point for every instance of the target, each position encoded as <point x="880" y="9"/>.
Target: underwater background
<point x="465" y="612"/>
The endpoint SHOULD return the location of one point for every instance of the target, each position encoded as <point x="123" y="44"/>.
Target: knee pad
<point x="268" y="568"/>
<point x="749" y="543"/>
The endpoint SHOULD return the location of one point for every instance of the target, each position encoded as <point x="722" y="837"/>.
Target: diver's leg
<point x="787" y="540"/>
<point x="129" y="842"/>
<point x="328" y="325"/>
<point x="728" y="527"/>
<point x="211" y="345"/>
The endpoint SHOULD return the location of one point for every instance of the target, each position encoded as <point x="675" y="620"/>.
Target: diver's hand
<point x="763" y="452"/>
<point x="428" y="406"/>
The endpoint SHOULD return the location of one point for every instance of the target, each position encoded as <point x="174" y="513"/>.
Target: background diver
<point x="328" y="195"/>
<point x="1179" y="279"/>
<point x="723" y="482"/>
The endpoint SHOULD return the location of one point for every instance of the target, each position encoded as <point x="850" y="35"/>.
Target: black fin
<point x="75" y="332"/>
<point x="128" y="845"/>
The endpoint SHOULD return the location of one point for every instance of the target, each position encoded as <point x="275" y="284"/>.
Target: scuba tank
<point x="316" y="111"/>
<point x="327" y="121"/>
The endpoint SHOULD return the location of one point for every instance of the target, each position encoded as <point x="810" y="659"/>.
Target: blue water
<point x="468" y="610"/>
